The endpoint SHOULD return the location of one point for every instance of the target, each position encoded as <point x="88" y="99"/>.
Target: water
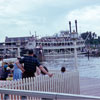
<point x="87" y="68"/>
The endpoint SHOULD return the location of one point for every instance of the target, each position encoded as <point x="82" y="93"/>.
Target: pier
<point x="90" y="86"/>
<point x="89" y="89"/>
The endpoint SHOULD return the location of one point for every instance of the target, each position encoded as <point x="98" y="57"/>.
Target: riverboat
<point x="60" y="46"/>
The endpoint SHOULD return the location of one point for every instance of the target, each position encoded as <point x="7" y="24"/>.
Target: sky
<point x="20" y="18"/>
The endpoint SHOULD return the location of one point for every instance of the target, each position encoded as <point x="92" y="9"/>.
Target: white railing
<point x="38" y="95"/>
<point x="62" y="47"/>
<point x="67" y="82"/>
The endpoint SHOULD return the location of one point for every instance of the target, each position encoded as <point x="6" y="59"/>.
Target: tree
<point x="89" y="37"/>
<point x="84" y="35"/>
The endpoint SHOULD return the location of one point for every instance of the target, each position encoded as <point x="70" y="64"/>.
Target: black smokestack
<point x="70" y="26"/>
<point x="76" y="25"/>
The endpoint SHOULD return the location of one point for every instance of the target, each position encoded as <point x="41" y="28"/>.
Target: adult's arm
<point x="20" y="66"/>
<point x="43" y="70"/>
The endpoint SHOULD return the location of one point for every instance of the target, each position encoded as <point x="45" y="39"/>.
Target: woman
<point x="17" y="73"/>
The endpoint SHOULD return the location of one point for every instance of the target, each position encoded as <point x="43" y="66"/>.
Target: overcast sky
<point x="46" y="17"/>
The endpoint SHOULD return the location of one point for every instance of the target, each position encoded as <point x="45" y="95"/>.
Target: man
<point x="30" y="63"/>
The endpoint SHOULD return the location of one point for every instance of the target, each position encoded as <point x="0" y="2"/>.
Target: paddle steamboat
<point x="62" y="44"/>
<point x="59" y="45"/>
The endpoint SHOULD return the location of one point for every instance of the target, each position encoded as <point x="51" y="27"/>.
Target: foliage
<point x="89" y="38"/>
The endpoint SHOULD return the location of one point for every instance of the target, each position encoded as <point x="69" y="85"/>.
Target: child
<point x="63" y="69"/>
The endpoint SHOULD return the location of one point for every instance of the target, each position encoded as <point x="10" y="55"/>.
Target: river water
<point x="87" y="67"/>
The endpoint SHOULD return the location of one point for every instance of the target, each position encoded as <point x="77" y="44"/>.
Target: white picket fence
<point x="67" y="82"/>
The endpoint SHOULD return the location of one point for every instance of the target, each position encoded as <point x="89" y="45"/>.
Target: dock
<point x="90" y="86"/>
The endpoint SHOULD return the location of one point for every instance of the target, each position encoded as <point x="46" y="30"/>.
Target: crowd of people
<point x="6" y="70"/>
<point x="28" y="66"/>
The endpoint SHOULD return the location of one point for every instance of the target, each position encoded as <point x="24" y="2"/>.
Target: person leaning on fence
<point x="30" y="63"/>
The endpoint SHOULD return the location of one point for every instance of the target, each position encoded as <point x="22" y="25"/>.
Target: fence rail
<point x="67" y="82"/>
<point x="49" y="95"/>
<point x="61" y="83"/>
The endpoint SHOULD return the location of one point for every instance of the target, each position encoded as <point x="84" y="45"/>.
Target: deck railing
<point x="67" y="82"/>
<point x="12" y="94"/>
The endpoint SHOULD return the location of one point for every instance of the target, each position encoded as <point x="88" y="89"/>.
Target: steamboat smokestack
<point x="76" y="25"/>
<point x="70" y="26"/>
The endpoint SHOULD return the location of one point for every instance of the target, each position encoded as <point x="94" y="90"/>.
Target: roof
<point x="16" y="39"/>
